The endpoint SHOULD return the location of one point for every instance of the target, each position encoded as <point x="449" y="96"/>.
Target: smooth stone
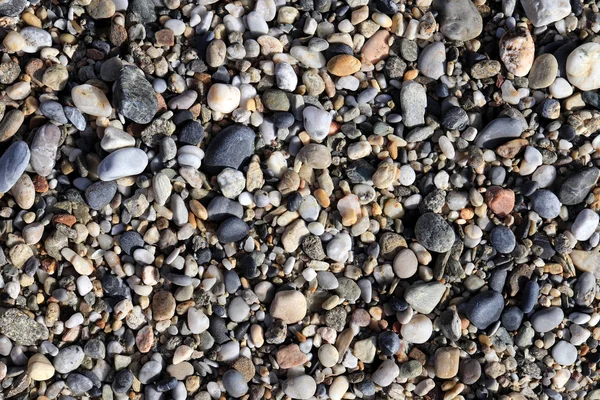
<point x="424" y="297"/>
<point x="115" y="139"/>
<point x="230" y="148"/>
<point x="498" y="132"/>
<point x="300" y="387"/>
<point x="289" y="306"/>
<point x="564" y="353"/>
<point x="40" y="368"/>
<point x="315" y="155"/>
<point x="24" y="192"/>
<point x="91" y="100"/>
<point x="545" y="12"/>
<point x="503" y="239"/>
<point x="585" y="224"/>
<point x="197" y="321"/>
<point x="286" y="77"/>
<point x="192" y="133"/>
<point x="386" y="373"/>
<point x="122" y="163"/>
<point x="309" y="58"/>
<point x="578" y="185"/>
<point x="413" y="102"/>
<point x="130" y="241"/>
<point x="585" y="289"/>
<point x="53" y="110"/>
<point x="35" y="39"/>
<point x="546" y="204"/>
<point x="133" y="95"/>
<point x="547" y="319"/>
<point x="434" y="233"/>
<point x="418" y="330"/>
<point x="432" y="60"/>
<point x="68" y="359"/>
<point x="12" y="8"/>
<point x="232" y="230"/>
<point x="44" y="148"/>
<point x="405" y="264"/>
<point x="511" y="318"/>
<point x="485" y="308"/>
<point x="12" y="164"/>
<point x="223" y="98"/>
<point x="583" y="66"/>
<point x="75" y="117"/>
<point x="459" y="19"/>
<point x="543" y="71"/>
<point x="234" y="383"/>
<point x="316" y="122"/>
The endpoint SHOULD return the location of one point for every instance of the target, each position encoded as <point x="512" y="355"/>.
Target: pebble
<point x="434" y="233"/>
<point x="301" y="387"/>
<point x="418" y="330"/>
<point x="582" y="66"/>
<point x="288" y="306"/>
<point x="459" y="20"/>
<point x="432" y="60"/>
<point x="316" y="122"/>
<point x="405" y="264"/>
<point x="424" y="297"/>
<point x="413" y="101"/>
<point x="91" y="100"/>
<point x="235" y="383"/>
<point x="232" y="146"/>
<point x="122" y="163"/>
<point x="545" y="12"/>
<point x="485" y="308"/>
<point x="547" y="319"/>
<point x="223" y="98"/>
<point x="13" y="162"/>
<point x="564" y="353"/>
<point x="543" y="71"/>
<point x="546" y="204"/>
<point x="35" y="39"/>
<point x="134" y="96"/>
<point x="68" y="359"/>
<point x="517" y="51"/>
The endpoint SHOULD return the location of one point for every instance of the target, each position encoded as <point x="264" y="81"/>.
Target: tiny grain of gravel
<point x="299" y="199"/>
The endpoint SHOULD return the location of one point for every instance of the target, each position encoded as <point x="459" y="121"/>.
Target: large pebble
<point x="35" y="39"/>
<point x="432" y="60"/>
<point x="223" y="98"/>
<point x="91" y="100"/>
<point x="301" y="387"/>
<point x="44" y="148"/>
<point x="124" y="162"/>
<point x="458" y="19"/>
<point x="289" y="306"/>
<point x="133" y="95"/>
<point x="583" y="66"/>
<point x="547" y="319"/>
<point x="517" y="51"/>
<point x="434" y="233"/>
<point x="485" y="308"/>
<point x="230" y="148"/>
<point x="316" y="122"/>
<point x="12" y="165"/>
<point x="545" y="12"/>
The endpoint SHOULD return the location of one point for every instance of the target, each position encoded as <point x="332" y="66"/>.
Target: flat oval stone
<point x="124" y="162"/>
<point x="133" y="95"/>
<point x="230" y="148"/>
<point x="564" y="353"/>
<point x="99" y="194"/>
<point x="75" y="117"/>
<point x="545" y="12"/>
<point x="91" y="100"/>
<point x="543" y="71"/>
<point x="432" y="60"/>
<point x="578" y="185"/>
<point x="44" y="148"/>
<point x="485" y="308"/>
<point x="12" y="164"/>
<point x="10" y="124"/>
<point x="547" y="319"/>
<point x="232" y="230"/>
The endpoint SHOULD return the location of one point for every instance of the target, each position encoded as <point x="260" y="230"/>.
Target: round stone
<point x="546" y="204"/>
<point x="583" y="66"/>
<point x="503" y="239"/>
<point x="122" y="163"/>
<point x="405" y="264"/>
<point x="564" y="353"/>
<point x="434" y="233"/>
<point x="418" y="330"/>
<point x="485" y="308"/>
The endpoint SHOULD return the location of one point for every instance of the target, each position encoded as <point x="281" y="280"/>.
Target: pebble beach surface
<point x="299" y="199"/>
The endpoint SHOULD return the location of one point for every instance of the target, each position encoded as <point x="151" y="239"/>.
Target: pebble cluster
<point x="299" y="199"/>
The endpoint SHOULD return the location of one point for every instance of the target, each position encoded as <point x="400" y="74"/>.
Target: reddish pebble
<point x="500" y="201"/>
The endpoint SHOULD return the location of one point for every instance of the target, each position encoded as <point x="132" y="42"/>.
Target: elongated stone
<point x="91" y="100"/>
<point x="12" y="165"/>
<point x="124" y="162"/>
<point x="44" y="148"/>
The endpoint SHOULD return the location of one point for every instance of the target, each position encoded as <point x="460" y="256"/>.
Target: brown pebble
<point x="343" y="65"/>
<point x="500" y="201"/>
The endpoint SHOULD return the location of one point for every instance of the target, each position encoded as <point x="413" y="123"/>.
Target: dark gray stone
<point x="578" y="185"/>
<point x="133" y="95"/>
<point x="232" y="230"/>
<point x="498" y="132"/>
<point x="434" y="233"/>
<point x="485" y="308"/>
<point x="230" y="148"/>
<point x="99" y="194"/>
<point x="12" y="8"/>
<point x="130" y="241"/>
<point x="220" y="208"/>
<point x="54" y="110"/>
